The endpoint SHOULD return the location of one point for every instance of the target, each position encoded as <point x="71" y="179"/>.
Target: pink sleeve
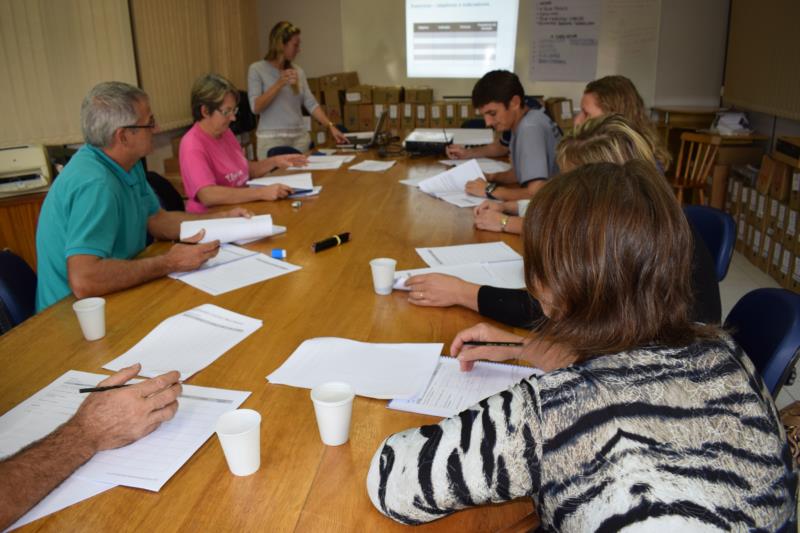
<point x="195" y="162"/>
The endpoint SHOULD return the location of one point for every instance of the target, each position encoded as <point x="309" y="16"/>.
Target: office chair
<point x="473" y="123"/>
<point x="168" y="197"/>
<point x="766" y="324"/>
<point x="718" y="231"/>
<point x="696" y="160"/>
<point x="282" y="150"/>
<point x="17" y="290"/>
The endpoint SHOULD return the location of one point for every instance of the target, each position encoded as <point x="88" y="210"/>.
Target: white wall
<point x="673" y="50"/>
<point x="691" y="52"/>
<point x="320" y="31"/>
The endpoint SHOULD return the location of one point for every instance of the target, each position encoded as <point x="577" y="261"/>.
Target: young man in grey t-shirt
<point x="500" y="98"/>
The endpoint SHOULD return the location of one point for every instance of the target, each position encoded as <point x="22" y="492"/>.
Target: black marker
<point x="330" y="242"/>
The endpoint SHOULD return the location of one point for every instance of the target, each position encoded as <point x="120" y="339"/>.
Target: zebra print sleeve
<point x="473" y="458"/>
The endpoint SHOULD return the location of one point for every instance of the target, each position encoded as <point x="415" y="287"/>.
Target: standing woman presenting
<point x="277" y="89"/>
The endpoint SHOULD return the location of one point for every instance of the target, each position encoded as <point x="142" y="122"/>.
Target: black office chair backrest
<point x="168" y="197"/>
<point x="282" y="150"/>
<point x="245" y="119"/>
<point x="473" y="123"/>
<point x="17" y="290"/>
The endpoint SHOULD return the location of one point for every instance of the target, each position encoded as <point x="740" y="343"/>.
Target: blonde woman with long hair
<point x="278" y="89"/>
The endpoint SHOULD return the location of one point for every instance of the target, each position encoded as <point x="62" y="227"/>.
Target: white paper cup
<point x="92" y="317"/>
<point x="333" y="405"/>
<point x="239" y="433"/>
<point x="383" y="274"/>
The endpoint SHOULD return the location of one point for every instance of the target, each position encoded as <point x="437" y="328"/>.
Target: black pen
<point x="301" y="191"/>
<point x="330" y="242"/>
<point x="101" y="389"/>
<point x="483" y="343"/>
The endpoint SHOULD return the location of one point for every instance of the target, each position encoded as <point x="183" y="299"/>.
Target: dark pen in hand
<point x="490" y="343"/>
<point x="101" y="389"/>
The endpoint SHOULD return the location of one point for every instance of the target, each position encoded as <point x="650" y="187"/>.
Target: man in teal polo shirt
<point x="96" y="216"/>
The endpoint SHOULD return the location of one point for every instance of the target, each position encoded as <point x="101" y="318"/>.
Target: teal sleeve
<point x="93" y="221"/>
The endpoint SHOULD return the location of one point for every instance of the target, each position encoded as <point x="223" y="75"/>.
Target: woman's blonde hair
<point x="604" y="139"/>
<point x="278" y="37"/>
<point x="210" y="91"/>
<point x="618" y="94"/>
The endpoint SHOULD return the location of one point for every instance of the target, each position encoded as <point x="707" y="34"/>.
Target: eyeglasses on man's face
<point x="149" y="126"/>
<point x="228" y="112"/>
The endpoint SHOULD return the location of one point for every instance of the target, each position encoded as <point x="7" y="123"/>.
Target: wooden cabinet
<point x="18" y="218"/>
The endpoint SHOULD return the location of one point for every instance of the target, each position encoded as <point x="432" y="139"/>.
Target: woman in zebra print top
<point x="642" y="419"/>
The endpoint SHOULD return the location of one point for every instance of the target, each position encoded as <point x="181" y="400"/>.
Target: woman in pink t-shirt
<point x="213" y="166"/>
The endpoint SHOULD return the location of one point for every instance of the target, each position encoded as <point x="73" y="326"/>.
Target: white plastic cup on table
<point x="91" y="314"/>
<point x="333" y="405"/>
<point x="383" y="274"/>
<point x="239" y="433"/>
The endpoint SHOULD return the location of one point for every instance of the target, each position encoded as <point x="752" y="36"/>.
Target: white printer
<point x="23" y="170"/>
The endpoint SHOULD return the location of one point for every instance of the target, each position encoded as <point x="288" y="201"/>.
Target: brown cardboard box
<point x="395" y="119"/>
<point x="419" y="95"/>
<point x="465" y="111"/>
<point x="787" y="260"/>
<point x="358" y="94"/>
<point x="422" y="115"/>
<point x="322" y="139"/>
<point x="733" y="196"/>
<point x="765" y="173"/>
<point x="451" y="115"/>
<point x="741" y="232"/>
<point x="351" y="117"/>
<point x="333" y="99"/>
<point x="794" y="274"/>
<point x="335" y="115"/>
<point x="753" y="251"/>
<point x="366" y="117"/>
<point x="377" y="111"/>
<point x="775" y="260"/>
<point x="408" y="117"/>
<point x="763" y="259"/>
<point x="561" y="110"/>
<point x="781" y="182"/>
<point x="316" y="90"/>
<point x="340" y="80"/>
<point x="778" y="222"/>
<point x="387" y="95"/>
<point x="437" y="115"/>
<point x="794" y="193"/>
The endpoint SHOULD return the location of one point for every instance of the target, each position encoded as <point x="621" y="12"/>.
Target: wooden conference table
<point x="302" y="485"/>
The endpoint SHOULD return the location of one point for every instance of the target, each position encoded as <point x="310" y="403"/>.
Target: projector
<point x="427" y="141"/>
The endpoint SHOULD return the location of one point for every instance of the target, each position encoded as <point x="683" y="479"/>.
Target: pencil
<point x="101" y="389"/>
<point x="482" y="343"/>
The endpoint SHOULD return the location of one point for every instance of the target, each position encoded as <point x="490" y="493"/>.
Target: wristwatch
<point x="490" y="187"/>
<point x="503" y="222"/>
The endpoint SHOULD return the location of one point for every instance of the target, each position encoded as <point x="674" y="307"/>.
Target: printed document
<point x="373" y="166"/>
<point x="506" y="274"/>
<point x="188" y="342"/>
<point x="295" y="181"/>
<point x="376" y="370"/>
<point x="225" y="230"/>
<point x="463" y="254"/>
<point x="449" y="185"/>
<point x="239" y="272"/>
<point x="488" y="166"/>
<point x="451" y="391"/>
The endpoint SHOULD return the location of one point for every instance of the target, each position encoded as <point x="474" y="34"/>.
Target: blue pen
<point x="301" y="191"/>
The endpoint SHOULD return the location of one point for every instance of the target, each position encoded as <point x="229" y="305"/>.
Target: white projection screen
<point x="460" y="39"/>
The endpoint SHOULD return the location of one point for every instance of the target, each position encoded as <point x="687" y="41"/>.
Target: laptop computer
<point x="366" y="139"/>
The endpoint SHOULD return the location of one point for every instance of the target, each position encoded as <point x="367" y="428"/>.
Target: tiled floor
<point x="742" y="278"/>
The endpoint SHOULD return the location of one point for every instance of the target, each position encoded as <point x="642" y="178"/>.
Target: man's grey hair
<point x="109" y="106"/>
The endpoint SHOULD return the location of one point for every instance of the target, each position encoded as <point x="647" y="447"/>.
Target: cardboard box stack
<point x="765" y="208"/>
<point x="333" y="88"/>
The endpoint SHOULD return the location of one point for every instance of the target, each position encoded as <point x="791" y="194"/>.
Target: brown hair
<point x="618" y="94"/>
<point x="612" y="246"/>
<point x="210" y="91"/>
<point x="279" y="36"/>
<point x="604" y="139"/>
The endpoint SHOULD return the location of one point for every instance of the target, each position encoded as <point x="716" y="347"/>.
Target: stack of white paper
<point x="295" y="181"/>
<point x="237" y="229"/>
<point x="506" y="274"/>
<point x="374" y="370"/>
<point x="324" y="162"/>
<point x="451" y="391"/>
<point x="236" y="274"/>
<point x="463" y="254"/>
<point x="147" y="464"/>
<point x="488" y="166"/>
<point x="449" y="185"/>
<point x="188" y="342"/>
<point x="373" y="166"/>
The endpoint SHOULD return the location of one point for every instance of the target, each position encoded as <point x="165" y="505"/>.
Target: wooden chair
<point x="696" y="159"/>
<point x="528" y="523"/>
